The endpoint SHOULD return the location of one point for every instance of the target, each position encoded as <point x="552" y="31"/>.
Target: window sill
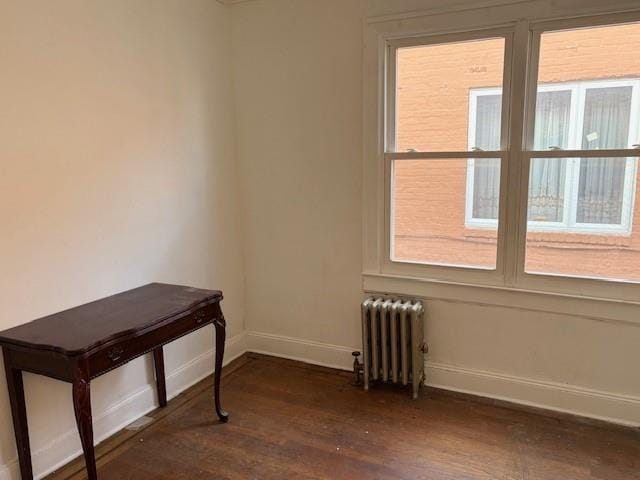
<point x="560" y="239"/>
<point x="600" y="309"/>
<point x="577" y="240"/>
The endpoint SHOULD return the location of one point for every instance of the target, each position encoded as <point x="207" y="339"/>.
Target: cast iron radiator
<point x="393" y="342"/>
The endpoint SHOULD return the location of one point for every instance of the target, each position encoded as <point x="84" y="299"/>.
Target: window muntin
<point x="583" y="195"/>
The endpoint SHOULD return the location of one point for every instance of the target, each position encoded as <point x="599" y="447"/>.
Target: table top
<point x="79" y="329"/>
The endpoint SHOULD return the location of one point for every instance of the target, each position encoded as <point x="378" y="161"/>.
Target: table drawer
<point x="119" y="353"/>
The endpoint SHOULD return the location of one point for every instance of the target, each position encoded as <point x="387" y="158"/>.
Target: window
<point x="428" y="190"/>
<point x="510" y="156"/>
<point x="599" y="188"/>
<point x="570" y="115"/>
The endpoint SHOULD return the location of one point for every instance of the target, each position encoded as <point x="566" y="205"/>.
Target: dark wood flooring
<point x="295" y="421"/>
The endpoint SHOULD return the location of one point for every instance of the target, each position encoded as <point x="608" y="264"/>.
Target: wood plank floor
<point x="291" y="420"/>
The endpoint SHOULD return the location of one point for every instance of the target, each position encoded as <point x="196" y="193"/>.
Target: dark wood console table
<point x="85" y="342"/>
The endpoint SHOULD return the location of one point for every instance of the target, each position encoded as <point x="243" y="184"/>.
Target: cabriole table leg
<point x="221" y="334"/>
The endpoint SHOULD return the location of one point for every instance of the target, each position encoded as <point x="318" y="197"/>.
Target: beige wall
<point x="299" y="104"/>
<point x="116" y="169"/>
<point x="298" y="97"/>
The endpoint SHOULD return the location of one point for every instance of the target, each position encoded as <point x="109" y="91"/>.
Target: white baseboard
<point x="614" y="408"/>
<point x="610" y="407"/>
<point x="66" y="447"/>
<point x="327" y="355"/>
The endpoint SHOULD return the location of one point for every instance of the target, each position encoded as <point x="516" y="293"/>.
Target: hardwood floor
<point x="291" y="420"/>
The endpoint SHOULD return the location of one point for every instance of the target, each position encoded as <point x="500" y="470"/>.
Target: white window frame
<point x="589" y="286"/>
<point x="391" y="155"/>
<point x="524" y="23"/>
<point x="569" y="224"/>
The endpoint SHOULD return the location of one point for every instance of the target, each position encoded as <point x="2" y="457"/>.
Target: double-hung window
<point x="510" y="156"/>
<point x="427" y="137"/>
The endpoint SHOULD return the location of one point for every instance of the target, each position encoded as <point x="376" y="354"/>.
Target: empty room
<point x="320" y="239"/>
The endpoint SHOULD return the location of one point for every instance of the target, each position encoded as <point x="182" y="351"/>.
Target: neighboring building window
<point x="580" y="194"/>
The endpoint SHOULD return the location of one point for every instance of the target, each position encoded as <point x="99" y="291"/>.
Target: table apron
<point x="119" y="353"/>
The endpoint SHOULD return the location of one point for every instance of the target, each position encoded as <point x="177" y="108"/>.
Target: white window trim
<point x="526" y="20"/>
<point x="447" y="271"/>
<point x="572" y="174"/>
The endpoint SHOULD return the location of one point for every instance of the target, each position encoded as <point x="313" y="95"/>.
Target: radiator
<point x="393" y="342"/>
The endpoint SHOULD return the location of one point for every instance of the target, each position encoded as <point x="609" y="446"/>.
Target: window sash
<point x="446" y="272"/>
<point x="481" y="275"/>
<point x="584" y="286"/>
<point x="390" y="82"/>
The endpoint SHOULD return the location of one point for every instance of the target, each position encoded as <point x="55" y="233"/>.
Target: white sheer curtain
<point x="606" y="125"/>
<point x="601" y="180"/>
<point x="547" y="175"/>
<point x="546" y="187"/>
<point x="486" y="172"/>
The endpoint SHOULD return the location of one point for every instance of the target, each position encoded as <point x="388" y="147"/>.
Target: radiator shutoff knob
<point x="357" y="367"/>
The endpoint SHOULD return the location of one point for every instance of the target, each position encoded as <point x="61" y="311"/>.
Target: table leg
<point x="19" y="413"/>
<point x="82" y="408"/>
<point x="221" y="334"/>
<point x="158" y="361"/>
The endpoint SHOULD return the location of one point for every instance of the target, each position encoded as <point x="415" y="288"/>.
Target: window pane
<point x="487" y="119"/>
<point x="432" y="205"/>
<point x="547" y="176"/>
<point x="553" y="110"/>
<point x="486" y="187"/>
<point x="600" y="240"/>
<point x="606" y="118"/>
<point x="586" y="58"/>
<point x="547" y="189"/>
<point x="433" y="84"/>
<point x="601" y="190"/>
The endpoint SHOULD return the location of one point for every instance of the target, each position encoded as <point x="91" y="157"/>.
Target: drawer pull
<point x="115" y="354"/>
<point x="200" y="316"/>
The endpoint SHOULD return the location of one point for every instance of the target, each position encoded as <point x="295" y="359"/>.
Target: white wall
<point x="116" y="169"/>
<point x="298" y="99"/>
<point x="299" y="112"/>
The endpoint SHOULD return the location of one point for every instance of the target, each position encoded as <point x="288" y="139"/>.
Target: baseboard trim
<point x="66" y="447"/>
<point x="572" y="399"/>
<point x="307" y="351"/>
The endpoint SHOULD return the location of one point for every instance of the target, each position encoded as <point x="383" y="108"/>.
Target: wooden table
<point x="85" y="342"/>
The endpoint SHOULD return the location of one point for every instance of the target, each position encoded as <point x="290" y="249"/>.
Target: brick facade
<point x="433" y="115"/>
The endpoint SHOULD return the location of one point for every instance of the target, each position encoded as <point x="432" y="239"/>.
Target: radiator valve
<point x="357" y="367"/>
